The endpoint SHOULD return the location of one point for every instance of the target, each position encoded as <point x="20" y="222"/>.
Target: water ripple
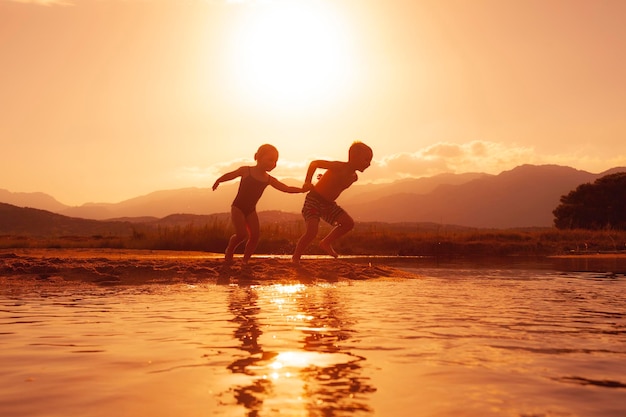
<point x="472" y="342"/>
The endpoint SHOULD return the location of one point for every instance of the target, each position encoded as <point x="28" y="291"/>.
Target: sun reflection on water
<point x="322" y="375"/>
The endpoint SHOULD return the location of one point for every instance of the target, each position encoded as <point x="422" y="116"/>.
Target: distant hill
<point x="522" y="197"/>
<point x="360" y="194"/>
<point x="35" y="200"/>
<point x="271" y="216"/>
<point x="24" y="221"/>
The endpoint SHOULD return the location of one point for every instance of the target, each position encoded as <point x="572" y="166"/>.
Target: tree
<point x="594" y="206"/>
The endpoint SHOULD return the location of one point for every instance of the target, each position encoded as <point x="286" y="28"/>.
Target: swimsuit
<point x="249" y="193"/>
<point x="317" y="207"/>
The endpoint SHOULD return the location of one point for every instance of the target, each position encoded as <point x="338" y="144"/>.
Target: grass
<point x="365" y="239"/>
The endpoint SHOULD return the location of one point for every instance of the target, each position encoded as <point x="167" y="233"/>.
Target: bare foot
<point x="328" y="249"/>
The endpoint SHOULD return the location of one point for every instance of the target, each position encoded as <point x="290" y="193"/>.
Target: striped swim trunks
<point x="317" y="207"/>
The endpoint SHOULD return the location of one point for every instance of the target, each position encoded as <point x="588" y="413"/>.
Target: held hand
<point x="215" y="185"/>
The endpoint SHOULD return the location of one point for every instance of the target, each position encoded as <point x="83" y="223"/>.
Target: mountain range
<point x="522" y="197"/>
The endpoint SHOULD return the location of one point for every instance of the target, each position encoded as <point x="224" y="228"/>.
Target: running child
<point x="320" y="201"/>
<point x="254" y="179"/>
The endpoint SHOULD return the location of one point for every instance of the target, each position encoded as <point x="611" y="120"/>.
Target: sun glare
<point x="291" y="53"/>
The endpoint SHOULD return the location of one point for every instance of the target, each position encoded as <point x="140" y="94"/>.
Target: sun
<point x="291" y="53"/>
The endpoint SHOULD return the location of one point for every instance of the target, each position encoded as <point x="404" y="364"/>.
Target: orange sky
<point x="104" y="100"/>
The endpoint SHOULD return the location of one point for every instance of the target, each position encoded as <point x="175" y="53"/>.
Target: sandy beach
<point x="137" y="267"/>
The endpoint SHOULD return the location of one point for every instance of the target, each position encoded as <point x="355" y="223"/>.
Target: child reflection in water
<point x="243" y="305"/>
<point x="329" y="388"/>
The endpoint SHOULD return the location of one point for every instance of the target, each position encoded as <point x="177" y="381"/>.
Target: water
<point x="457" y="341"/>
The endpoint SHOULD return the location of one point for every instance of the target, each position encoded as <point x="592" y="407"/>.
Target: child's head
<point x="266" y="157"/>
<point x="360" y="155"/>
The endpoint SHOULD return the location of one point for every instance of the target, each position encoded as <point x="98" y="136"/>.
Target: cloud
<point x="443" y="150"/>
<point x="475" y="156"/>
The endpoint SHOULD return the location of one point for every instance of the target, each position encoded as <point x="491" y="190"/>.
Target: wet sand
<point x="138" y="267"/>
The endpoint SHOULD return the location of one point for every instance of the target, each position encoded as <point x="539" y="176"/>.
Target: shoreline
<point x="120" y="267"/>
<point x="592" y="255"/>
<point x="109" y="267"/>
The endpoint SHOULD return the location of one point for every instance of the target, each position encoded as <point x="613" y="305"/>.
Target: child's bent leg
<point x="328" y="248"/>
<point x="234" y="241"/>
<point x="344" y="225"/>
<point x="312" y="226"/>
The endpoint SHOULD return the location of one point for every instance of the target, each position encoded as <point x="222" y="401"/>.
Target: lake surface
<point x="459" y="340"/>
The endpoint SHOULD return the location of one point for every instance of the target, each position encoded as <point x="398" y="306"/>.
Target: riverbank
<point x="136" y="267"/>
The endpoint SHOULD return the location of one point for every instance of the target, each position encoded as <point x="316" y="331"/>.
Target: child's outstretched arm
<point x="229" y="176"/>
<point x="284" y="187"/>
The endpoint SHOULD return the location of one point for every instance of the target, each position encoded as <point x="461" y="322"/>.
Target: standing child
<point x="254" y="179"/>
<point x="320" y="201"/>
